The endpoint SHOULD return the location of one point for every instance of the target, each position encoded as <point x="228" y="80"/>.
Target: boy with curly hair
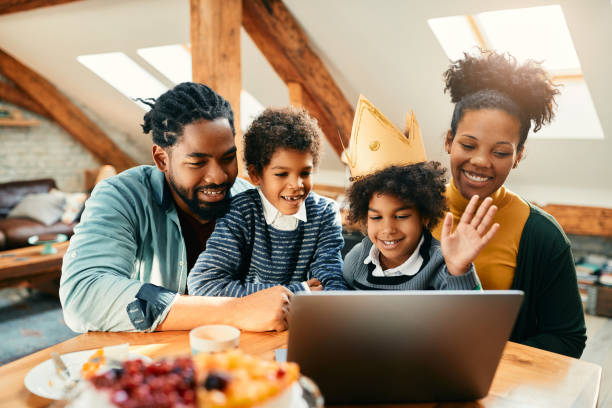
<point x="280" y="233"/>
<point x="399" y="205"/>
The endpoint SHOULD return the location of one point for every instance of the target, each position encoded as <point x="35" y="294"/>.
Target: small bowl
<point x="213" y="338"/>
<point x="46" y="240"/>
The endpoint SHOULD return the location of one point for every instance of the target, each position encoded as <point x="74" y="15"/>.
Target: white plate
<point x="43" y="380"/>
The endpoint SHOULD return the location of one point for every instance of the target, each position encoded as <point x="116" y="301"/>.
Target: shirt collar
<point x="410" y="266"/>
<point x="275" y="218"/>
<point x="161" y="189"/>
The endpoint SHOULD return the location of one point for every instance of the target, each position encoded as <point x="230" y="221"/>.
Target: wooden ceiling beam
<point x="16" y="96"/>
<point x="285" y="45"/>
<point x="14" y="6"/>
<point x="215" y="53"/>
<point x="298" y="96"/>
<point x="64" y="112"/>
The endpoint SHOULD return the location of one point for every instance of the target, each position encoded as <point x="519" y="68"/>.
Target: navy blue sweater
<point x="245" y="255"/>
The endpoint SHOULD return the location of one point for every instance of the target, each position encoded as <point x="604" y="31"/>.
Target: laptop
<point x="401" y="346"/>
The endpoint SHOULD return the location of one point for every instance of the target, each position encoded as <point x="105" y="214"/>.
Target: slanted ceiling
<point x="383" y="50"/>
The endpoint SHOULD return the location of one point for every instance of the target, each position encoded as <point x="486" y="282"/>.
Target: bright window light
<point x="250" y="108"/>
<point x="538" y="33"/>
<point x="576" y="116"/>
<point x="454" y="34"/>
<point x="123" y="74"/>
<point x="173" y="61"/>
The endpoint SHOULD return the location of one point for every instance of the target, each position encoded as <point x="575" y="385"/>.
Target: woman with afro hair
<point x="496" y="100"/>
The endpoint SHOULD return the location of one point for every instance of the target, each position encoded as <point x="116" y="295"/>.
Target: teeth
<point x="391" y="242"/>
<point x="213" y="193"/>
<point x="474" y="177"/>
<point x="292" y="198"/>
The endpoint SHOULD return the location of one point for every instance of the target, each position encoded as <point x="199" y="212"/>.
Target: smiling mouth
<point x="292" y="199"/>
<point x="390" y="244"/>
<point x="477" y="178"/>
<point x="213" y="195"/>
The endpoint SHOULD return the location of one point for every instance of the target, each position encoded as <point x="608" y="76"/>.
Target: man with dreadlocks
<point x="142" y="231"/>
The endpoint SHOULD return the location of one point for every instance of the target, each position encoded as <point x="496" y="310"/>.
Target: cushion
<point x="73" y="205"/>
<point x="43" y="207"/>
<point x="18" y="230"/>
<point x="13" y="192"/>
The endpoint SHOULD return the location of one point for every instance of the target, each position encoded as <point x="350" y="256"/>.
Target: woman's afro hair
<point x="527" y="85"/>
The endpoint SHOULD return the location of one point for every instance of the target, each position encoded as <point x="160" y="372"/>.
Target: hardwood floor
<point x="599" y="351"/>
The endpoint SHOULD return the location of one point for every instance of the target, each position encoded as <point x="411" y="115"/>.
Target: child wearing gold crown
<point x="280" y="233"/>
<point x="399" y="197"/>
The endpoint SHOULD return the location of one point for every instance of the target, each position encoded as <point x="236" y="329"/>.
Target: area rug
<point x="29" y="321"/>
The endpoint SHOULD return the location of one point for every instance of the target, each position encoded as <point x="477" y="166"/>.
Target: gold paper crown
<point x="376" y="143"/>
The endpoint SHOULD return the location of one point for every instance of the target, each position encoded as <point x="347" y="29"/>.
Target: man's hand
<point x="266" y="310"/>
<point x="461" y="247"/>
<point x="314" y="284"/>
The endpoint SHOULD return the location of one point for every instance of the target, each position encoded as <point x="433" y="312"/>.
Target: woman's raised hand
<point x="474" y="231"/>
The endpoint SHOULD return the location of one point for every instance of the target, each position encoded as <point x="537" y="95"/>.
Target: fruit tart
<point x="228" y="379"/>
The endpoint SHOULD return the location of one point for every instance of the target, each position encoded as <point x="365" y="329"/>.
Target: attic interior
<point x="71" y="70"/>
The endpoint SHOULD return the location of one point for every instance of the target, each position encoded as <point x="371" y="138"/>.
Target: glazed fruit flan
<point x="228" y="379"/>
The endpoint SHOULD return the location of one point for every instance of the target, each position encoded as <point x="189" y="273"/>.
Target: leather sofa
<point x="14" y="232"/>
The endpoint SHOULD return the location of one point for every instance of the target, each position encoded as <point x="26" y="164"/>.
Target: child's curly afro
<point x="421" y="184"/>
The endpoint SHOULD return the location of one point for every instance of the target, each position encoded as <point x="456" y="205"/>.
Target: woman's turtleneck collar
<point x="458" y="202"/>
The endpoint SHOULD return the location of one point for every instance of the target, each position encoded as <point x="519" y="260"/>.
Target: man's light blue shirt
<point x="127" y="261"/>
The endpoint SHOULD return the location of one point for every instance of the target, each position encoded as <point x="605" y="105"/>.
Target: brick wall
<point x="47" y="151"/>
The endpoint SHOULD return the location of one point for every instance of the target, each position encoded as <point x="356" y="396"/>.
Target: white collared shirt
<point x="279" y="220"/>
<point x="409" y="268"/>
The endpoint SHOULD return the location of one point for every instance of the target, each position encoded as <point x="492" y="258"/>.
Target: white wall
<point x="384" y="50"/>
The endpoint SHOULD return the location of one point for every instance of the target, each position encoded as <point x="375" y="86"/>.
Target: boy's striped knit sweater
<point x="276" y="257"/>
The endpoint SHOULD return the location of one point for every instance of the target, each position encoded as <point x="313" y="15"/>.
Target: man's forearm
<point x="262" y="311"/>
<point x="188" y="312"/>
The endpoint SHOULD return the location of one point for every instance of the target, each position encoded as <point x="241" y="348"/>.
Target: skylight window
<point x="455" y="35"/>
<point x="250" y="108"/>
<point x="124" y="74"/>
<point x="173" y="61"/>
<point x="576" y="117"/>
<point x="538" y="33"/>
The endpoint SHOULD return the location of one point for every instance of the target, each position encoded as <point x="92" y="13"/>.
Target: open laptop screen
<point x="394" y="346"/>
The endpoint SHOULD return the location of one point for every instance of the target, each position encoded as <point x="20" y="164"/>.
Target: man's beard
<point x="203" y="210"/>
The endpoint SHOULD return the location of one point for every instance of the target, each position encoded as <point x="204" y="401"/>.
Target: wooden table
<point x="18" y="265"/>
<point x="526" y="377"/>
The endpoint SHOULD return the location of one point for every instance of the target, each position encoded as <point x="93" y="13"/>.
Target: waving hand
<point x="474" y="231"/>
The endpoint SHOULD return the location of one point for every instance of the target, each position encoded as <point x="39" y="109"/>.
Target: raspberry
<point x="161" y="384"/>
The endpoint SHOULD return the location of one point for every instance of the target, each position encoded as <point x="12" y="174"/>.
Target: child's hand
<point x="460" y="247"/>
<point x="314" y="284"/>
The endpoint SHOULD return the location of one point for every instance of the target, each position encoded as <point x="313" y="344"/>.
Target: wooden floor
<point x="599" y="351"/>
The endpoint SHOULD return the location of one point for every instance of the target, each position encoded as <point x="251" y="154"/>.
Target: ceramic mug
<point x="213" y="338"/>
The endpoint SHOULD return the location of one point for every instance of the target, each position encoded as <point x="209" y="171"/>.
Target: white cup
<point x="213" y="338"/>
